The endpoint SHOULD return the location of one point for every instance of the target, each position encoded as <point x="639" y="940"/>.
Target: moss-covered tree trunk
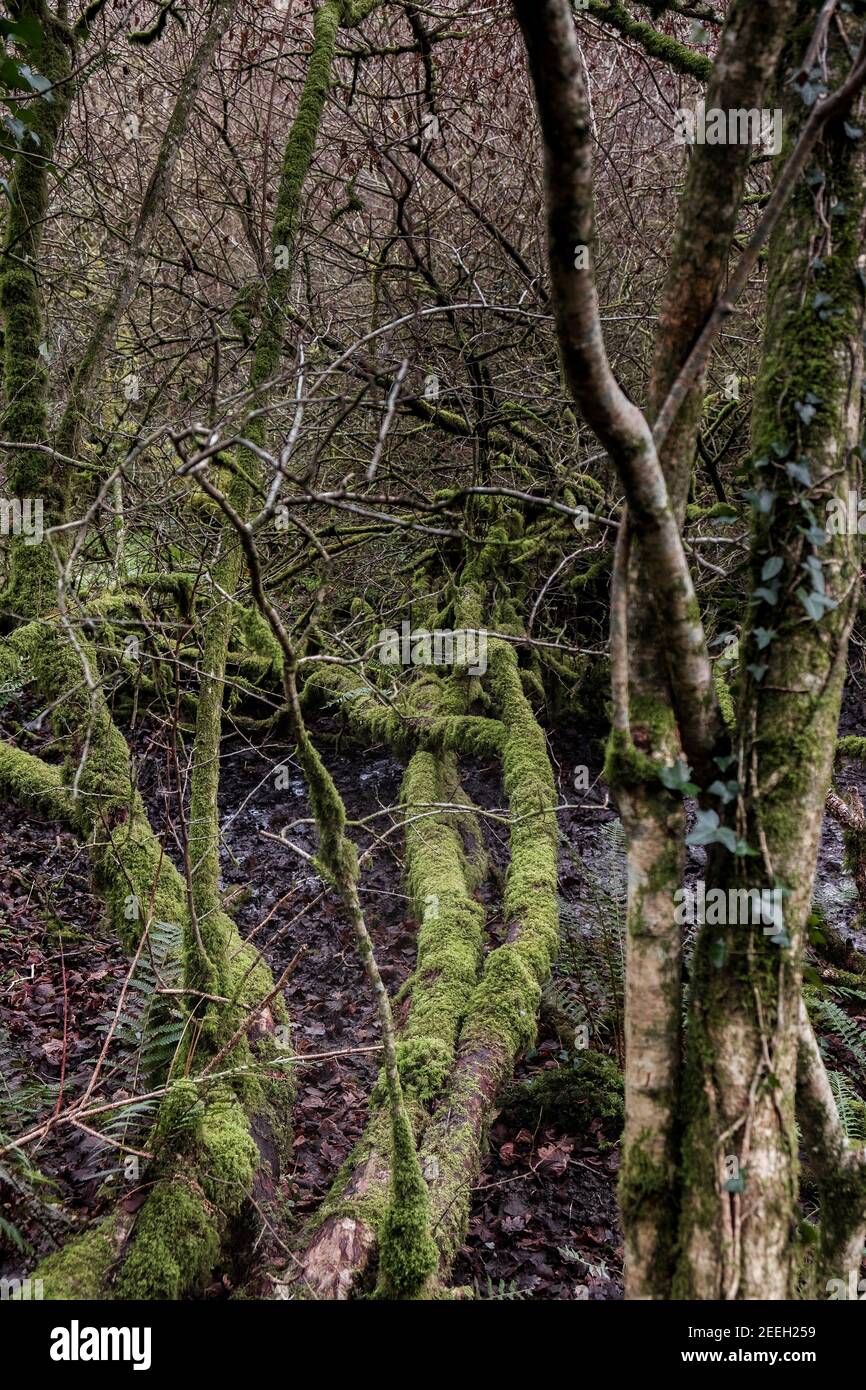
<point x="653" y="820"/>
<point x="738" y="1203"/>
<point x="29" y="473"/>
<point x="740" y="1161"/>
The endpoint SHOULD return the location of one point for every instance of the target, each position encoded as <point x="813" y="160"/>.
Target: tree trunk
<point x="740" y="1146"/>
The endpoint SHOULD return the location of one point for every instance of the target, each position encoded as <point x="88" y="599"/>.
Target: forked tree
<point x="709" y="1183"/>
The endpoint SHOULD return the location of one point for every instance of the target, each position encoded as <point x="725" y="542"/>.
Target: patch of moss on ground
<point x="571" y="1096"/>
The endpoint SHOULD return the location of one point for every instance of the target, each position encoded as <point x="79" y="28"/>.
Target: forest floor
<point x="544" y="1221"/>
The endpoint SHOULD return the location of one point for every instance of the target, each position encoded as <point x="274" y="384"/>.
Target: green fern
<point x="838" y="1022"/>
<point x="146" y="1036"/>
<point x="501" y="1291"/>
<point x="852" y="1111"/>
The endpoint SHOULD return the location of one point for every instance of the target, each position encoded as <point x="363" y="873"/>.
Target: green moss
<point x="445" y="859"/>
<point x="424" y="1065"/>
<point x="207" y="1144"/>
<point x="454" y="1145"/>
<point x="368" y="1202"/>
<point x="625" y="765"/>
<point x="653" y="726"/>
<point x="723" y="695"/>
<point x="261" y="640"/>
<point x="205" y="938"/>
<point x="131" y="867"/>
<point x="417" y="717"/>
<point x="36" y="784"/>
<point x="407" y="1253"/>
<point x="669" y="50"/>
<point x="81" y="1269"/>
<point x="504" y="1004"/>
<point x="174" y="1247"/>
<point x="722" y="510"/>
<point x="205" y="1169"/>
<point x="229" y="1158"/>
<point x="570" y="1096"/>
<point x="646" y="1182"/>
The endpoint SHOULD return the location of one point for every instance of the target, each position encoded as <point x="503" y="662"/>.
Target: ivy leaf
<point x="772" y="567"/>
<point x="708" y="831"/>
<point x="815" y="535"/>
<point x="770" y="596"/>
<point x="728" y="791"/>
<point x="724" y="760"/>
<point x="854" y="132"/>
<point x="27" y="31"/>
<point x="806" y="411"/>
<point x="762" y="500"/>
<point x="36" y="81"/>
<point x="816" y="604"/>
<point x="16" y="128"/>
<point x="815" y="571"/>
<point x="801" y="472"/>
<point x="705" y="830"/>
<point x="758" y="672"/>
<point x="677" y="778"/>
<point x="763" y="636"/>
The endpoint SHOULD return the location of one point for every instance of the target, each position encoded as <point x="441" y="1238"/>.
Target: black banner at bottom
<point x="59" y="1340"/>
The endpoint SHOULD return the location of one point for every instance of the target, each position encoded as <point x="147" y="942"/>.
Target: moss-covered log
<point x="458" y="1077"/>
<point x="206" y="1169"/>
<point x="445" y="863"/>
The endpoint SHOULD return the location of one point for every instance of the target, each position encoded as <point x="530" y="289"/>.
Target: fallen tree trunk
<point x="498" y="1021"/>
<point x="208" y="1164"/>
